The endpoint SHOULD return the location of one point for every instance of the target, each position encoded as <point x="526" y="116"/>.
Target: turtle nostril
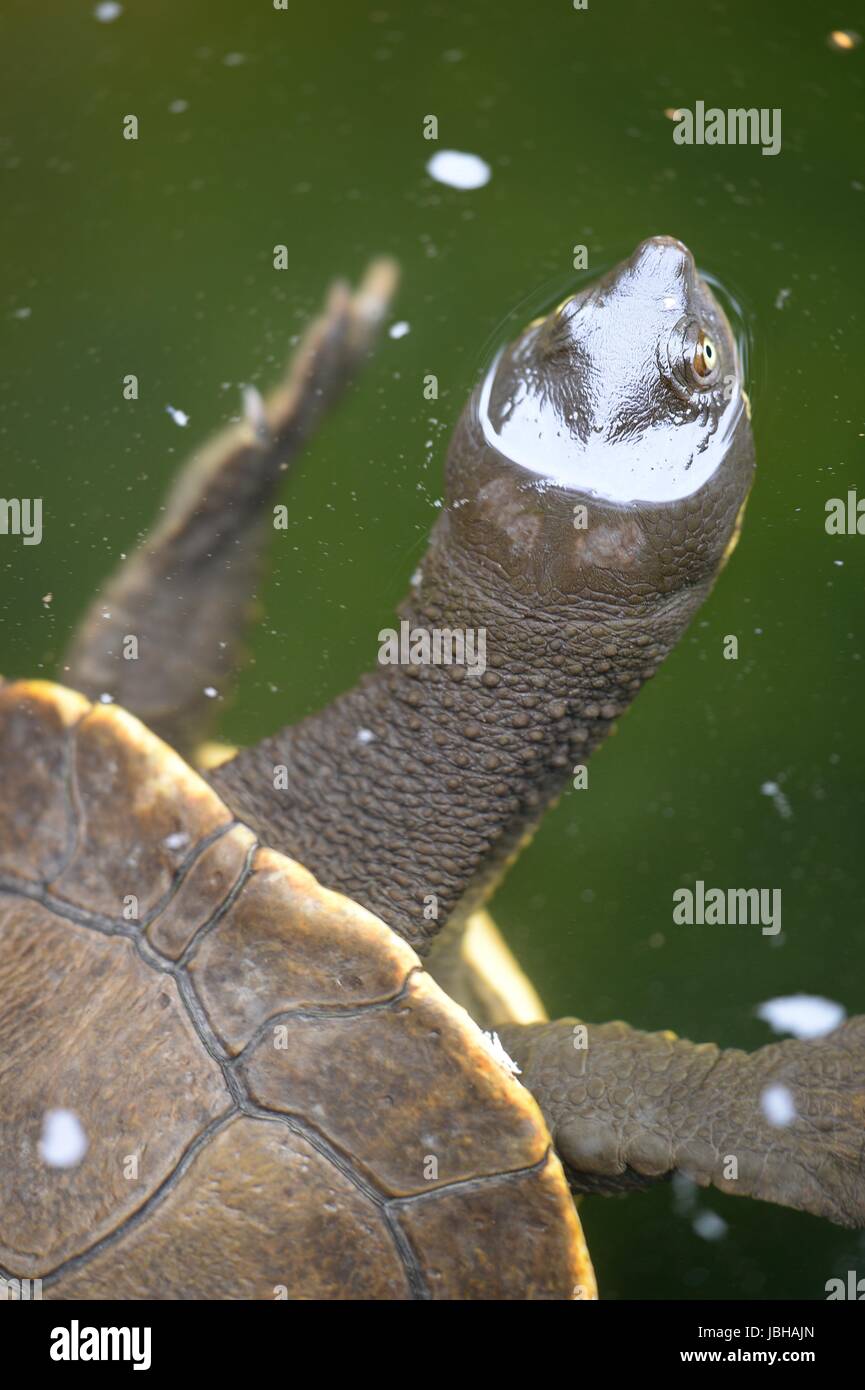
<point x="672" y="242"/>
<point x="663" y="263"/>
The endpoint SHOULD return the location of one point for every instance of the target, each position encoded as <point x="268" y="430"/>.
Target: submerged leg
<point x="186" y="594"/>
<point x="785" y="1123"/>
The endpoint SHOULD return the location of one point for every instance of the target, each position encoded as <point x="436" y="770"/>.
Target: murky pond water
<point x="306" y="128"/>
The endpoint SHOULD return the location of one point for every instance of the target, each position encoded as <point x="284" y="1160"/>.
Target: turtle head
<point x="608" y="448"/>
<point x="593" y="485"/>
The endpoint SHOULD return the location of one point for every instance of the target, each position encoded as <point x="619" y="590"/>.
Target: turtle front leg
<point x="785" y="1123"/>
<point x="163" y="635"/>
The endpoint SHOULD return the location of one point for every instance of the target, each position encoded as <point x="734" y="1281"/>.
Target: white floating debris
<point x="63" y="1142"/>
<point x="709" y="1225"/>
<point x="211" y="692"/>
<point x="179" y="417"/>
<point x="803" y="1015"/>
<point x="779" y="800"/>
<point x="254" y="411"/>
<point x="684" y="1194"/>
<point x="107" y="11"/>
<point x="365" y="736"/>
<point x="493" y="1044"/>
<point x="459" y="170"/>
<point x="399" y="330"/>
<point x="782" y="296"/>
<point x="777" y="1104"/>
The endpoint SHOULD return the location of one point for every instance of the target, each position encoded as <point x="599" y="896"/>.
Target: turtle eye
<point x="705" y="357"/>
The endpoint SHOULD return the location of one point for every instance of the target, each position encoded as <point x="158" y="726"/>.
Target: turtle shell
<point x="268" y="1096"/>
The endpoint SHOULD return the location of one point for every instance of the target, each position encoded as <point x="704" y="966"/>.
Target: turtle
<point x="259" y="1037"/>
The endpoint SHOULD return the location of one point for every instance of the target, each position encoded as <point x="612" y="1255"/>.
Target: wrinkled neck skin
<point x="419" y="822"/>
<point x="413" y="791"/>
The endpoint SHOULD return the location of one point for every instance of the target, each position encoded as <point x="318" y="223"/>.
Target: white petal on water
<point x="803" y="1015"/>
<point x="778" y="1106"/>
<point x="709" y="1225"/>
<point x="107" y="11"/>
<point x="63" y="1142"/>
<point x="493" y="1044"/>
<point x="458" y="169"/>
<point x="399" y="330"/>
<point x="179" y="417"/>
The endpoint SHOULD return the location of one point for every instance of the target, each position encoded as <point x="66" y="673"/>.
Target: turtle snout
<point x="664" y="267"/>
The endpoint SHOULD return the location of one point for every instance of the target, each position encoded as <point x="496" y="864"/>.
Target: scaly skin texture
<point x="459" y="769"/>
<point x="412" y="791"/>
<point x="626" y="1108"/>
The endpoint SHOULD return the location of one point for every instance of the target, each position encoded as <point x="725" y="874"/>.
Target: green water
<point x="154" y="257"/>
